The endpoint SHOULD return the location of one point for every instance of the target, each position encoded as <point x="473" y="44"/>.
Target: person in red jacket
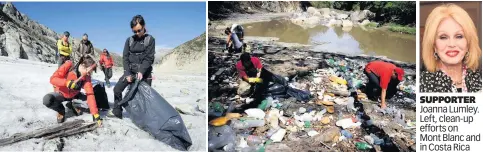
<point x="106" y="65"/>
<point x="67" y="88"/>
<point x="252" y="74"/>
<point x="383" y="80"/>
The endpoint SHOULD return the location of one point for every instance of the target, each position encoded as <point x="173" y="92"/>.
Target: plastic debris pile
<point x="339" y="116"/>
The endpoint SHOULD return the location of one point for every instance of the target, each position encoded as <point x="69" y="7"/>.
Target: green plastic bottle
<point x="263" y="105"/>
<point x="363" y="146"/>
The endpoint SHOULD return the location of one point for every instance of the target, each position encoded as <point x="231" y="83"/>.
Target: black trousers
<point x="121" y="85"/>
<point x="54" y="101"/>
<point x="61" y="60"/>
<point x="373" y="88"/>
<point x="107" y="73"/>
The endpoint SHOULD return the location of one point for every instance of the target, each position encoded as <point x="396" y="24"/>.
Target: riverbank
<point x="284" y="29"/>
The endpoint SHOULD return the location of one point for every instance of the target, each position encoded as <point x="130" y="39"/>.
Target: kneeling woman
<point x="67" y="88"/>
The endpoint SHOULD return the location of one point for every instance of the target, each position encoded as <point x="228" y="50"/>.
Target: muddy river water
<point x="356" y="40"/>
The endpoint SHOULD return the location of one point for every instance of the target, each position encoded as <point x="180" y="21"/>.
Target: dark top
<point x="438" y="82"/>
<point x="138" y="58"/>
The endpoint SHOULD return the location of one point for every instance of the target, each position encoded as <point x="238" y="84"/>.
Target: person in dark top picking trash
<point x="138" y="57"/>
<point x="383" y="80"/>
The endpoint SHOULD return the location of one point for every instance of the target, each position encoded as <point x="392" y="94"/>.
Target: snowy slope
<point x="23" y="84"/>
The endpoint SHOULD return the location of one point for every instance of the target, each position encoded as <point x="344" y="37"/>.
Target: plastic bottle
<point x="350" y="104"/>
<point x="253" y="149"/>
<point x="253" y="140"/>
<point x="346" y="133"/>
<point x="271" y="132"/>
<point x="231" y="107"/>
<point x="263" y="105"/>
<point x="363" y="146"/>
<point x="236" y="124"/>
<point x="377" y="140"/>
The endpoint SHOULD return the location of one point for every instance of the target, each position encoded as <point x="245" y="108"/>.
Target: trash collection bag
<point x="279" y="80"/>
<point x="152" y="113"/>
<point x="276" y="89"/>
<point x="101" y="97"/>
<point x="218" y="137"/>
<point x="298" y="94"/>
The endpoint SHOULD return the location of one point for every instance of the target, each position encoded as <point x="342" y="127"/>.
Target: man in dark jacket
<point x="138" y="58"/>
<point x="85" y="48"/>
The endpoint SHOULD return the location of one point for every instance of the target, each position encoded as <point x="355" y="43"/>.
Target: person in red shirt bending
<point x="383" y="80"/>
<point x="252" y="73"/>
<point x="106" y="65"/>
<point x="68" y="81"/>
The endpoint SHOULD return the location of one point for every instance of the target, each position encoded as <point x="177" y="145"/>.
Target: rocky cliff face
<point x="189" y="56"/>
<point x="21" y="37"/>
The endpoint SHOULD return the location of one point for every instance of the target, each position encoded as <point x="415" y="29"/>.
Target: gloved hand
<point x="255" y="80"/>
<point x="74" y="86"/>
<point x="98" y="120"/>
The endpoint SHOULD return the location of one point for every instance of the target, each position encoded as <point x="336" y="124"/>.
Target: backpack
<point x="146" y="41"/>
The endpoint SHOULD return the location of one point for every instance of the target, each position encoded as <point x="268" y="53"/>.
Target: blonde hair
<point x="463" y="19"/>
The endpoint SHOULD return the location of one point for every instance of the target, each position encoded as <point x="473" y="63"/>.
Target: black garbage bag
<point x="218" y="137"/>
<point x="152" y="113"/>
<point x="276" y="89"/>
<point x="101" y="97"/>
<point x="279" y="80"/>
<point x="298" y="94"/>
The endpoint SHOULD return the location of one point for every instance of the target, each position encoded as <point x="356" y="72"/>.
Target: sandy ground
<point x="24" y="83"/>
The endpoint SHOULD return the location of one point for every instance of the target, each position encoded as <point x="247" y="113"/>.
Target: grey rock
<point x="342" y="16"/>
<point x="365" y="22"/>
<point x="325" y="11"/>
<point x="347" y="23"/>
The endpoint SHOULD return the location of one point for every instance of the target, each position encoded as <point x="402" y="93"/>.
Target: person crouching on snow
<point x="67" y="88"/>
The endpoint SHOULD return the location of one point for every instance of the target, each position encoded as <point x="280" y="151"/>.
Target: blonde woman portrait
<point x="450" y="52"/>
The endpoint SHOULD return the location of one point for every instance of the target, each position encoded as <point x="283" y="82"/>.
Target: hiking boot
<point x="76" y="111"/>
<point x="60" y="118"/>
<point x="115" y="112"/>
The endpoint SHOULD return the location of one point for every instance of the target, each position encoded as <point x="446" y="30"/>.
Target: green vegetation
<point x="401" y="29"/>
<point x="322" y="4"/>
<point x="371" y="25"/>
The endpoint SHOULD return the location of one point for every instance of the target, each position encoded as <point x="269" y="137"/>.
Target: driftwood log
<point x="64" y="130"/>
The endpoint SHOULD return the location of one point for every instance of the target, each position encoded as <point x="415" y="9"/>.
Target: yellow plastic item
<point x="219" y="121"/>
<point x="255" y="80"/>
<point x="330" y="109"/>
<point x="325" y="120"/>
<point x="338" y="80"/>
<point x="328" y="103"/>
<point x="233" y="115"/>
